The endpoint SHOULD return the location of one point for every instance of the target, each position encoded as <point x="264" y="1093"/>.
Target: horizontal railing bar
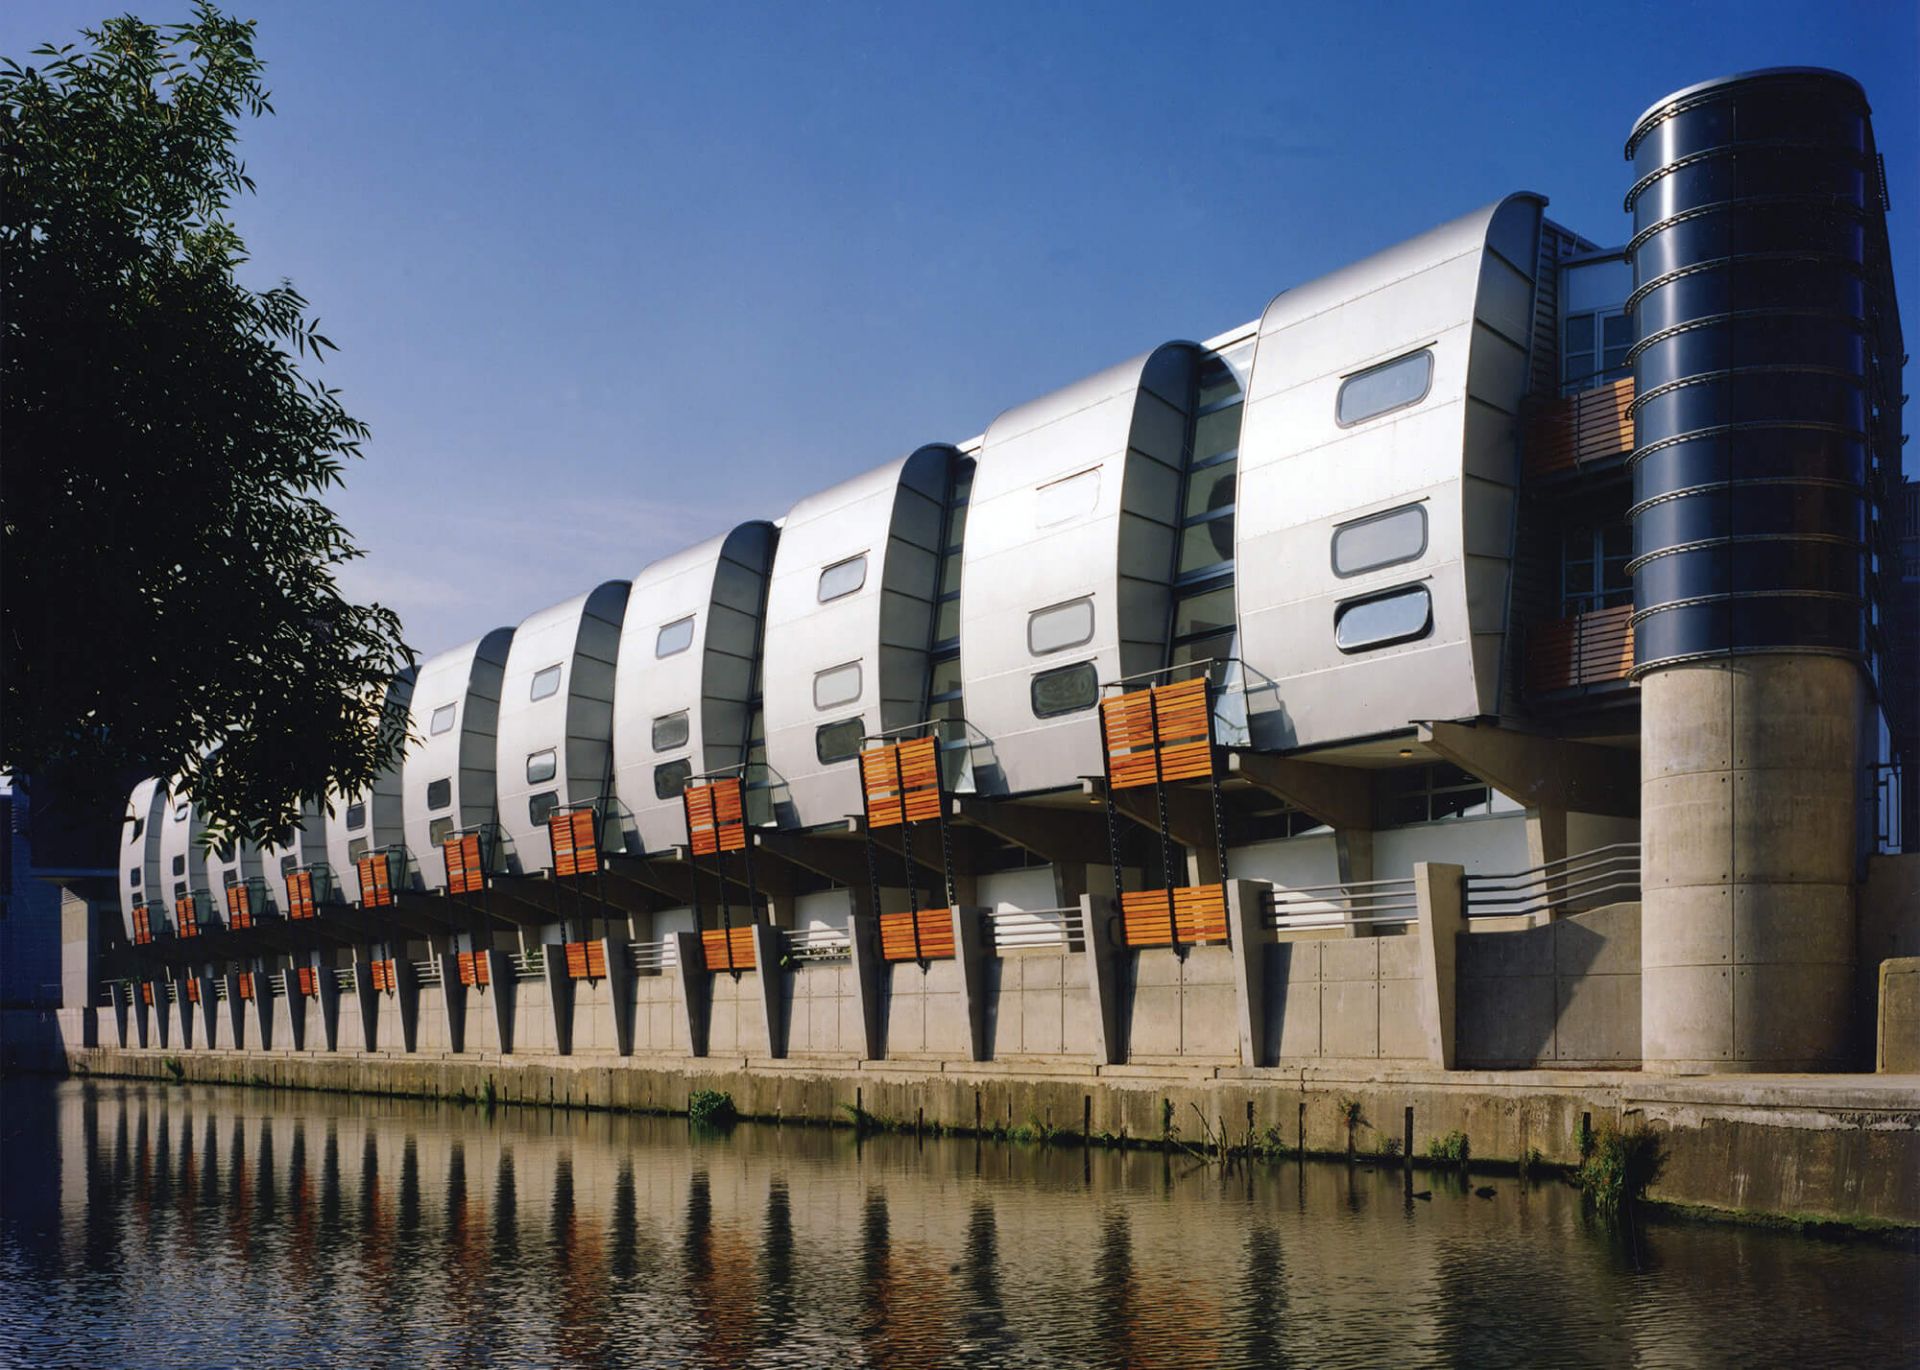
<point x="1561" y="861"/>
<point x="1563" y="884"/>
<point x="1287" y="924"/>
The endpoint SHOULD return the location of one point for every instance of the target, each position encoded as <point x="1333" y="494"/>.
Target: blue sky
<point x="607" y="279"/>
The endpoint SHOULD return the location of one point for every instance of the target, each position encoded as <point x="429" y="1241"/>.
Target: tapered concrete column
<point x="328" y="982"/>
<point x="1246" y="906"/>
<point x="263" y="1010"/>
<point x="153" y="1017"/>
<point x="79" y="1020"/>
<point x="560" y="998"/>
<point x="500" y="987"/>
<point x="367" y="999"/>
<point x="1437" y="889"/>
<point x="869" y="983"/>
<point x="1106" y="978"/>
<point x="209" y="1013"/>
<point x="406" y="989"/>
<point x="236" y="1009"/>
<point x="1748" y="794"/>
<point x="696" y="990"/>
<point x="613" y="950"/>
<point x="296" y="1006"/>
<point x="971" y="948"/>
<point x="769" y="950"/>
<point x="453" y="1000"/>
<point x="118" y="990"/>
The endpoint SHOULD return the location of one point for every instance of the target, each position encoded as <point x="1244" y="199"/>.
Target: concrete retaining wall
<point x="1564" y="994"/>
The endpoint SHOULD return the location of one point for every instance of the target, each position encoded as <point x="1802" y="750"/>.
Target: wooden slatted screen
<point x="716" y="943"/>
<point x="193" y="991"/>
<point x="186" y="916"/>
<point x="901" y="782"/>
<point x="716" y="817"/>
<point x="1199" y="915"/>
<point x="466" y="867"/>
<point x="936" y="936"/>
<point x="300" y="902"/>
<point x="245" y="981"/>
<point x="575" y="840"/>
<point x="146" y="993"/>
<point x="1576" y="430"/>
<point x="586" y="960"/>
<point x="376" y="881"/>
<point x="142" y="926"/>
<point x="239" y="906"/>
<point x="383" y="980"/>
<point x="476" y="968"/>
<point x="309" y="981"/>
<point x="1588" y="649"/>
<point x="1163" y="733"/>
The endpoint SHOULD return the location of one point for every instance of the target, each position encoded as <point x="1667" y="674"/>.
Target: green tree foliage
<point x="169" y="604"/>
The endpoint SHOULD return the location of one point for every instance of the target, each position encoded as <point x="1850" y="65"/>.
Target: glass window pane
<point x="946" y="621"/>
<point x="669" y="778"/>
<point x="133" y="878"/>
<point x="540" y="806"/>
<point x="1579" y="333"/>
<point x="439" y="794"/>
<point x="674" y="637"/>
<point x="439" y="830"/>
<point x="1397" y="617"/>
<point x="1216" y="433"/>
<point x="289" y="864"/>
<point x="945" y="677"/>
<point x="956" y="529"/>
<point x="836" y="685"/>
<point x="546" y="681"/>
<point x="670" y="731"/>
<point x="181" y="809"/>
<point x="1060" y="500"/>
<point x="1380" y="540"/>
<point x="1217" y="647"/>
<point x="1216" y="385"/>
<point x="1210" y="611"/>
<point x="843" y="578"/>
<point x="949" y="573"/>
<point x="1209" y="490"/>
<point x="1381" y="389"/>
<point x="541" y="766"/>
<point x="1066" y="690"/>
<point x="1616" y="331"/>
<point x="1206" y="544"/>
<point x="838" y="741"/>
<point x="356" y="849"/>
<point x="356" y="816"/>
<point x="179" y="865"/>
<point x="1059" y="627"/>
<point x="442" y="720"/>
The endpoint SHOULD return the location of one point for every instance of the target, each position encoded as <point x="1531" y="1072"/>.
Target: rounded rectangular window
<point x="1380" y="540"/>
<point x="670" y="731"/>
<point x="439" y="831"/>
<point x="442" y="720"/>
<point x="439" y="794"/>
<point x="356" y="849"/>
<point x="1066" y="690"/>
<point x="1384" y="388"/>
<point x="133" y="878"/>
<point x="843" y="577"/>
<point x="670" y="777"/>
<point x="541" y="767"/>
<point x="289" y="864"/>
<point x="674" y="638"/>
<point x="180" y="810"/>
<point x="838" y="741"/>
<point x="540" y="806"/>
<point x="1382" y="620"/>
<point x="356" y="816"/>
<point x="836" y="685"/>
<point x="139" y="826"/>
<point x="1071" y="498"/>
<point x="546" y="681"/>
<point x="1062" y="626"/>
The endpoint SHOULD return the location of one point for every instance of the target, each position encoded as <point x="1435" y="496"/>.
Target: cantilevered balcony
<point x="1592" y="649"/>
<point x="1580" y="432"/>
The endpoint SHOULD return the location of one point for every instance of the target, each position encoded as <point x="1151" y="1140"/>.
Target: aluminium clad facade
<point x="447" y="780"/>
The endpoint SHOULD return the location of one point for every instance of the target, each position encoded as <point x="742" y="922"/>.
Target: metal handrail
<point x="1030" y="929"/>
<point x="1358" y="903"/>
<point x="1560" y="884"/>
<point x="343" y="979"/>
<point x="426" y="972"/>
<point x="1562" y="861"/>
<point x="648" y="957"/>
<point x="528" y="965"/>
<point x="819" y="944"/>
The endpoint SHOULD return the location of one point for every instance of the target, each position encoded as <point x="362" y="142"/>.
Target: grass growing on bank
<point x="1617" y="1166"/>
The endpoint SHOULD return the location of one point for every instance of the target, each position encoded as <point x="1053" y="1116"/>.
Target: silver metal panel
<point x="582" y="638"/>
<point x="1457" y="291"/>
<point x="140" y="854"/>
<point x="467" y="680"/>
<point x="183" y="858"/>
<point x="240" y="862"/>
<point x="721" y="585"/>
<point x="893" y="517"/>
<point x="1028" y="549"/>
<point x="301" y="845"/>
<point x="383" y="824"/>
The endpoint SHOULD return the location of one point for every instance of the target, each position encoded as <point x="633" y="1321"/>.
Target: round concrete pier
<point x="1748" y="813"/>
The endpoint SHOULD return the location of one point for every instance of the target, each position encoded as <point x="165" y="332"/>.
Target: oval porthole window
<point x="439" y="794"/>
<point x="843" y="578"/>
<point x="670" y="731"/>
<point x="540" y="806"/>
<point x="546" y="681"/>
<point x="356" y="816"/>
<point x="1402" y="615"/>
<point x="1067" y="690"/>
<point x="439" y="830"/>
<point x="836" y="685"/>
<point x="442" y="720"/>
<point x="670" y="777"/>
<point x="541" y="767"/>
<point x="674" y="638"/>
<point x="838" y="741"/>
<point x="1062" y="626"/>
<point x="1385" y="539"/>
<point x="1384" y="388"/>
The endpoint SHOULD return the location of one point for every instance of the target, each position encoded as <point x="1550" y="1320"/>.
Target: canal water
<point x="155" y="1225"/>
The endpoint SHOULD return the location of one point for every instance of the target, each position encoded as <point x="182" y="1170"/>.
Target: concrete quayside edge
<point x="1819" y="1148"/>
